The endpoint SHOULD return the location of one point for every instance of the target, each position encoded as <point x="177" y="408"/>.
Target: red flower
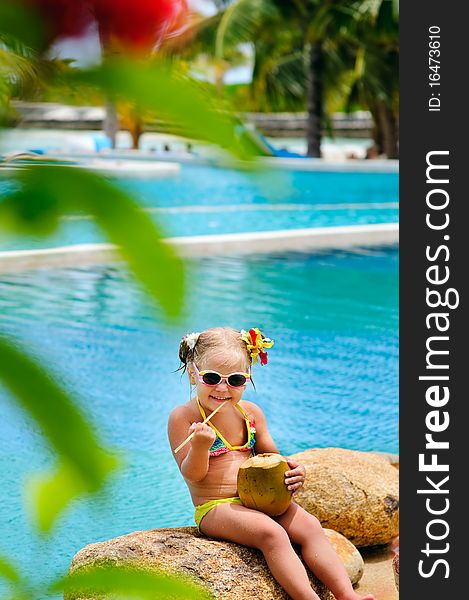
<point x="137" y="25"/>
<point x="262" y="355"/>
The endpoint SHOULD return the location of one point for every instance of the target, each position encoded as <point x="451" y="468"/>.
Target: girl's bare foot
<point x="355" y="596"/>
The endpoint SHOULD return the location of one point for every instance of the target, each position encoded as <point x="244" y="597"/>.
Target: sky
<point x="206" y="7"/>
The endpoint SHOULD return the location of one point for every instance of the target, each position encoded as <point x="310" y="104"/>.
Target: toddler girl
<point x="218" y="362"/>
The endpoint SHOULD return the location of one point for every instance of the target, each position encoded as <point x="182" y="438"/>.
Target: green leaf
<point x="127" y="582"/>
<point x="48" y="192"/>
<point x="20" y="22"/>
<point x="8" y="571"/>
<point x="18" y="589"/>
<point x="85" y="464"/>
<point x="177" y="100"/>
<point x="49" y="494"/>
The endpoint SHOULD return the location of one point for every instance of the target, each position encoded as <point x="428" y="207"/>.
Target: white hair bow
<point x="191" y="339"/>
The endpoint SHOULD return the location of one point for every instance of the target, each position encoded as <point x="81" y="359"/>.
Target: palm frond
<point x="240" y="22"/>
<point x="16" y="69"/>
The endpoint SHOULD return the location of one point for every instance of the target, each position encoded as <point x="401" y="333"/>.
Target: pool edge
<point x="263" y="242"/>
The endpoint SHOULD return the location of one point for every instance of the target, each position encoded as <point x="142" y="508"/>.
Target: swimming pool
<point x="204" y="200"/>
<point x="331" y="379"/>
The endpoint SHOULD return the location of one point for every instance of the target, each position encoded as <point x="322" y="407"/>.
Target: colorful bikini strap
<point x="256" y="343"/>
<point x="227" y="444"/>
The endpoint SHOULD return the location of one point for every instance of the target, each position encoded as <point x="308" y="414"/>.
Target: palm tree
<point x="302" y="47"/>
<point x="289" y="61"/>
<point x="375" y="81"/>
<point x="25" y="74"/>
<point x="304" y="32"/>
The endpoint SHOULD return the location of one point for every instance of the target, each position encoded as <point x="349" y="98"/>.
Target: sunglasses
<point x="211" y="378"/>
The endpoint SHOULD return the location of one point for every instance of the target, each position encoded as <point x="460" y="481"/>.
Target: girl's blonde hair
<point x="215" y="343"/>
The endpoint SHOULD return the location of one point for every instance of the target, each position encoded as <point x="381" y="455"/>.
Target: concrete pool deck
<point x="332" y="166"/>
<point x="263" y="242"/>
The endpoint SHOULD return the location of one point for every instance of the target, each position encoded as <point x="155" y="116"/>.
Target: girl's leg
<point x="304" y="529"/>
<point x="242" y="525"/>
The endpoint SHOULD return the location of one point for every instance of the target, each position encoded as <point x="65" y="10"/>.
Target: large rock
<point x="393" y="459"/>
<point x="349" y="555"/>
<point x="227" y="570"/>
<point x="354" y="493"/>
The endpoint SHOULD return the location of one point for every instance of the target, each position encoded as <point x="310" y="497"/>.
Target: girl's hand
<point x="204" y="435"/>
<point x="295" y="478"/>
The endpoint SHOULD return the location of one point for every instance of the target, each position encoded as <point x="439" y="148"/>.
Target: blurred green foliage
<point x="172" y="97"/>
<point x="8" y="571"/>
<point x="19" y="23"/>
<point x="40" y="195"/>
<point x="318" y="56"/>
<point x="127" y="581"/>
<point x="47" y="192"/>
<point x="84" y="464"/>
<point x="18" y="586"/>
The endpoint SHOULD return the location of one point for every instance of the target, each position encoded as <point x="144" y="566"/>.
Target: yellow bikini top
<point x="220" y="445"/>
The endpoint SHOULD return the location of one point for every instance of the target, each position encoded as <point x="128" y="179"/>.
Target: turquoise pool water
<point x="204" y="200"/>
<point x="332" y="379"/>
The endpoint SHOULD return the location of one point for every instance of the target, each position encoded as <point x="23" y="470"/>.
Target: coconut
<point x="261" y="484"/>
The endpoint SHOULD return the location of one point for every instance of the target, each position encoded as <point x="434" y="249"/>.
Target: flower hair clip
<point x="191" y="339"/>
<point x="256" y="344"/>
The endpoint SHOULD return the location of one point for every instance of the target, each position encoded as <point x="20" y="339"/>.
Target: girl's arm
<point x="264" y="441"/>
<point x="193" y="458"/>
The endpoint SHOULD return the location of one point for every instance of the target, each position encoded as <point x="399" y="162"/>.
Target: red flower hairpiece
<point x="256" y="344"/>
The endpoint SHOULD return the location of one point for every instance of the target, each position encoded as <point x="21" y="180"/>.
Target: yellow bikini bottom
<point x="203" y="509"/>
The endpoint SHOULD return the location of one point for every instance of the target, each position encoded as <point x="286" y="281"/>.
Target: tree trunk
<point x="220" y="69"/>
<point x="376" y="135"/>
<point x="136" y="131"/>
<point x="111" y="123"/>
<point x="314" y="100"/>
<point x="376" y="132"/>
<point x="388" y="128"/>
<point x="111" y="119"/>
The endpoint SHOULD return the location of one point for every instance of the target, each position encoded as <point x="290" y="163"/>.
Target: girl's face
<point x="211" y="396"/>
